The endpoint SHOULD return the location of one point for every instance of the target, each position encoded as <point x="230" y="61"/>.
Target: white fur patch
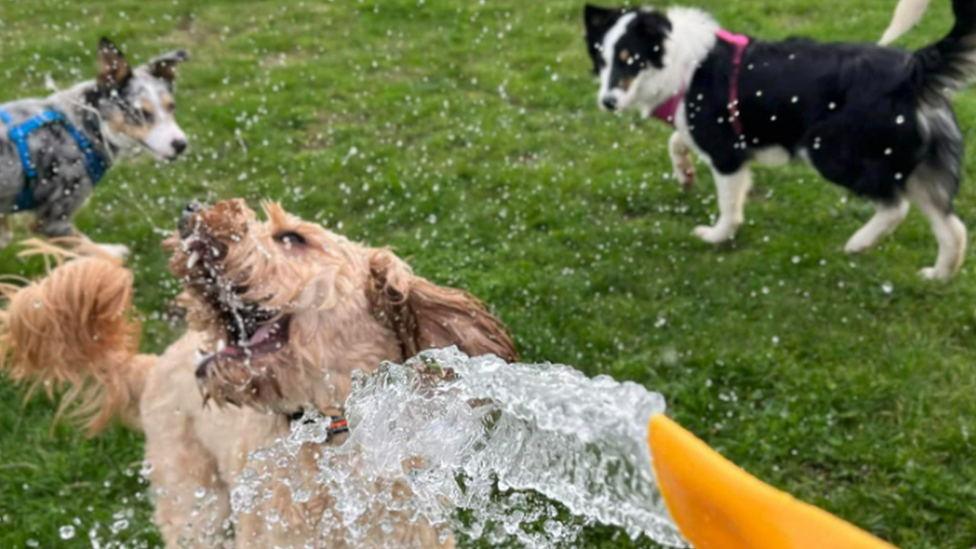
<point x="773" y="157"/>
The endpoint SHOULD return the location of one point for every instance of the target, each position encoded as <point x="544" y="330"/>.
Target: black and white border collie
<point x="875" y="120"/>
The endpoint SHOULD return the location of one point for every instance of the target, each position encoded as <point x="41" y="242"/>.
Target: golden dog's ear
<point x="426" y="316"/>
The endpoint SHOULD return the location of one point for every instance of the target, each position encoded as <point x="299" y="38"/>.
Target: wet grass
<point x="465" y="133"/>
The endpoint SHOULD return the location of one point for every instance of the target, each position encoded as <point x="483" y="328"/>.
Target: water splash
<point x="466" y="445"/>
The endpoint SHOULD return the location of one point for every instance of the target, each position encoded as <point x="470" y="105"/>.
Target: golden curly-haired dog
<point x="280" y="313"/>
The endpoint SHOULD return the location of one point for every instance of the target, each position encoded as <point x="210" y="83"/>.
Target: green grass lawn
<point x="466" y="134"/>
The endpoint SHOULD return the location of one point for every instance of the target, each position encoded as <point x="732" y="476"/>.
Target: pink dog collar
<point x="667" y="111"/>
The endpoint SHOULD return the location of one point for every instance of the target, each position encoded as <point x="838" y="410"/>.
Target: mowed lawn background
<point x="466" y="134"/>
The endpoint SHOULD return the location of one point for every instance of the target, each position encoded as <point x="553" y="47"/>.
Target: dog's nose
<point x="192" y="207"/>
<point x="179" y="145"/>
<point x="610" y="103"/>
<point x="184" y="226"/>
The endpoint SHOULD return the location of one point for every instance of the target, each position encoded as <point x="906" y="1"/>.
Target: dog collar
<point x="667" y="111"/>
<point x="94" y="163"/>
<point x="740" y="42"/>
<point x="337" y="424"/>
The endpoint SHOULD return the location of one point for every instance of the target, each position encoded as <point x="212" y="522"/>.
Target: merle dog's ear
<point x="164" y="66"/>
<point x="113" y="68"/>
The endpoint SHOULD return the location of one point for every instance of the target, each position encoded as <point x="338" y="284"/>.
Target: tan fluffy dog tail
<point x="73" y="332"/>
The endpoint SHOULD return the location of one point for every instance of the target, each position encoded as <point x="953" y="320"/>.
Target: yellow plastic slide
<point x="719" y="506"/>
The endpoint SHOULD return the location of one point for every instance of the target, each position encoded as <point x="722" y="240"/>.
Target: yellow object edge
<point x="717" y="505"/>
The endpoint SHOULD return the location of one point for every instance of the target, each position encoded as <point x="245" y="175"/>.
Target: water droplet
<point x="887" y="288"/>
<point x="796" y="260"/>
<point x="66" y="532"/>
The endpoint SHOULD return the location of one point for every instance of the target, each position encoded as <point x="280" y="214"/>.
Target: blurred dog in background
<point x="875" y="120"/>
<point x="53" y="151"/>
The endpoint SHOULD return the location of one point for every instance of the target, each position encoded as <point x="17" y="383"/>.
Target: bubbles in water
<point x="66" y="532"/>
<point x="494" y="451"/>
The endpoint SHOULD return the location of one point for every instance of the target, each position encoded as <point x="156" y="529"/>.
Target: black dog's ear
<point x="598" y="21"/>
<point x="113" y="68"/>
<point x="164" y="66"/>
<point x="653" y="23"/>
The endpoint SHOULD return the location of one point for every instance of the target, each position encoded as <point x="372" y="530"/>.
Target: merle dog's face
<point x="137" y="106"/>
<point x="626" y="46"/>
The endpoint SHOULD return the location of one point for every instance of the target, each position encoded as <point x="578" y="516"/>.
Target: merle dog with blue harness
<point x="54" y="151"/>
<point x="95" y="165"/>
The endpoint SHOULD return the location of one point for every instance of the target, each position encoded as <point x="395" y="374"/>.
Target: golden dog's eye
<point x="290" y="238"/>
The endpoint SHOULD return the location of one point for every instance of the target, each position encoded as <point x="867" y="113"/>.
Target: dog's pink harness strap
<point x="740" y="42"/>
<point x="665" y="112"/>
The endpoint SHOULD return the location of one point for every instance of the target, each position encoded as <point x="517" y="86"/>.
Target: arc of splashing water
<point x="719" y="506"/>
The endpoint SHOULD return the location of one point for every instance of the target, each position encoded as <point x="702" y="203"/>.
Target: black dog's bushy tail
<point x="948" y="65"/>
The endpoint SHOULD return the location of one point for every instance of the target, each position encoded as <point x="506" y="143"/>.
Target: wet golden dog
<point x="280" y="313"/>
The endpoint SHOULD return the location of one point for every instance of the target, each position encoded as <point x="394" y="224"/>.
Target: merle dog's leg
<point x="888" y="217"/>
<point x="732" y="192"/>
<point x="6" y="237"/>
<point x="55" y="219"/>
<point x="681" y="160"/>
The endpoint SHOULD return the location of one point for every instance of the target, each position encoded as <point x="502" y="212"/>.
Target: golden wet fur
<point x="341" y="307"/>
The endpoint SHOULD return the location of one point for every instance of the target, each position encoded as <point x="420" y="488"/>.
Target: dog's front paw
<point x="934" y="273"/>
<point x="118" y="251"/>
<point x="713" y="235"/>
<point x="684" y="171"/>
<point x="685" y="175"/>
<point x="857" y="244"/>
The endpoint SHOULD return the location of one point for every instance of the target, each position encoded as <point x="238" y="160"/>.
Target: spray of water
<point x="495" y="451"/>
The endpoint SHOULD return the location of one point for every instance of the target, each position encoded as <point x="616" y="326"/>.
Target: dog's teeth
<point x="192" y="261"/>
<point x="221" y="345"/>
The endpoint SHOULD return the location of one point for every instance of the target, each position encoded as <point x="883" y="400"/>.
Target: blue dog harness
<point x="19" y="133"/>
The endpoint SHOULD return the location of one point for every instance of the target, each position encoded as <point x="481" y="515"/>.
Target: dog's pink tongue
<point x="263" y="333"/>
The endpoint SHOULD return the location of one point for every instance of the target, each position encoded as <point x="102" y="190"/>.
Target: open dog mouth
<point x="262" y="339"/>
<point x="245" y="329"/>
<point x="249" y="330"/>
